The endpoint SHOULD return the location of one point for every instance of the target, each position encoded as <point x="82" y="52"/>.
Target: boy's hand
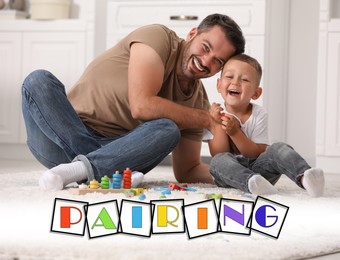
<point x="230" y="124"/>
<point x="215" y="112"/>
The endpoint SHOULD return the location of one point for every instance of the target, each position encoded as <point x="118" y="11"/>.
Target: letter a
<point x="106" y="220"/>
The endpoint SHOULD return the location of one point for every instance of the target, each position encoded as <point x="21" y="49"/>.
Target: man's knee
<point x="43" y="83"/>
<point x="171" y="129"/>
<point x="34" y="77"/>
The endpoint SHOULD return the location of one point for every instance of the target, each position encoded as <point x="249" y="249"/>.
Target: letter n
<point x="234" y="215"/>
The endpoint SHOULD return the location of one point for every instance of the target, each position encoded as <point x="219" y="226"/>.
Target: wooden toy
<point x="129" y="193"/>
<point x="181" y="187"/>
<point x="109" y="187"/>
<point x="173" y="186"/>
<point x="138" y="191"/>
<point x="94" y="184"/>
<point x="105" y="182"/>
<point x="116" y="180"/>
<point x="166" y="192"/>
<point x="133" y="192"/>
<point x="77" y="191"/>
<point x="142" y="196"/>
<point x="127" y="178"/>
<point x="214" y="196"/>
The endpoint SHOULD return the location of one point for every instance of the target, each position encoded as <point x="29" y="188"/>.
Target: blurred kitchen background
<point x="296" y="41"/>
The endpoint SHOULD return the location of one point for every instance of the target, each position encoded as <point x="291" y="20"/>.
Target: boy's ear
<point x="191" y="34"/>
<point x="218" y="85"/>
<point x="257" y="93"/>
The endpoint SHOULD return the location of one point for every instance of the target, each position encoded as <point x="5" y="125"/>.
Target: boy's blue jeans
<point x="56" y="134"/>
<point x="279" y="158"/>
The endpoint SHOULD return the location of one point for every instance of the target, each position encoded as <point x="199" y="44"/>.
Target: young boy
<point x="242" y="156"/>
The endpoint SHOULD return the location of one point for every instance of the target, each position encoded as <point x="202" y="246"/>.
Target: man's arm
<point x="145" y="78"/>
<point x="187" y="165"/>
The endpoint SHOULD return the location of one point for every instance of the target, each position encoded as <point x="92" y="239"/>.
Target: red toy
<point x="127" y="178"/>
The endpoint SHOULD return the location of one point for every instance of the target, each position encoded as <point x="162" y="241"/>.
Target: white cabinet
<point x="22" y="51"/>
<point x="10" y="74"/>
<point x="62" y="53"/>
<point x="181" y="16"/>
<point x="333" y="96"/>
<point x="328" y="92"/>
<point x="63" y="47"/>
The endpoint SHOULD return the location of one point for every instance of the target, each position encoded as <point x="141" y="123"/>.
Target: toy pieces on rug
<point x="244" y="196"/>
<point x="166" y="190"/>
<point x="85" y="189"/>
<point x="172" y="186"/>
<point x="77" y="191"/>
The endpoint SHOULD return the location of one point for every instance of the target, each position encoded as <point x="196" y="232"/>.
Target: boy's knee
<point x="280" y="146"/>
<point x="218" y="158"/>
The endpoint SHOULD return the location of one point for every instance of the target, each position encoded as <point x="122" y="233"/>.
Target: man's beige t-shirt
<point x="100" y="97"/>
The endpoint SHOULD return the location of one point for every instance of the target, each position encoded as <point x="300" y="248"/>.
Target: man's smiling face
<point x="204" y="54"/>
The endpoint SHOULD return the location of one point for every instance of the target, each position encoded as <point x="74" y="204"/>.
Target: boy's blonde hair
<point x="251" y="61"/>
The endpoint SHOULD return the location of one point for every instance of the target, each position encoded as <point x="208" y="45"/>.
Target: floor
<point x="7" y="166"/>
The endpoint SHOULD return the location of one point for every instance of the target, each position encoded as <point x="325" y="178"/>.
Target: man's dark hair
<point x="231" y="29"/>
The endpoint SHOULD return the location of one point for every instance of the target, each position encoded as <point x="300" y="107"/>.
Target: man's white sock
<point x="259" y="186"/>
<point x="136" y="179"/>
<point x="314" y="182"/>
<point x="60" y="176"/>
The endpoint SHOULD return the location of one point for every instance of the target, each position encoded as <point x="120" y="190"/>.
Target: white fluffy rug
<point x="312" y="226"/>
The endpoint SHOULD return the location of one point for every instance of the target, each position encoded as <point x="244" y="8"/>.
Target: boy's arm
<point x="246" y="146"/>
<point x="220" y="141"/>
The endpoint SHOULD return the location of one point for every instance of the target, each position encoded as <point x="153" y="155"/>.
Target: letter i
<point x="202" y="218"/>
<point x="136" y="217"/>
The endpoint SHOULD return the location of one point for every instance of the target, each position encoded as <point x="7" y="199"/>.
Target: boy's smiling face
<point x="238" y="84"/>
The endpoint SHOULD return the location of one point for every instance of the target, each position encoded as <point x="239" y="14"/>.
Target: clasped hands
<point x="229" y="123"/>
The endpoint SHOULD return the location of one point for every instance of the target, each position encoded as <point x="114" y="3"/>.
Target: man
<point x="133" y="105"/>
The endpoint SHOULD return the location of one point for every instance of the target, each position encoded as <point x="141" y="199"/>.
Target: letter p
<point x="65" y="216"/>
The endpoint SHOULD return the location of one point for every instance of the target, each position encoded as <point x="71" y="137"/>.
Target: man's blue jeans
<point x="56" y="134"/>
<point x="279" y="158"/>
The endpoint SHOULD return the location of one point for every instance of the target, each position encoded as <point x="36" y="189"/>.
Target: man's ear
<point x="257" y="93"/>
<point x="192" y="34"/>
